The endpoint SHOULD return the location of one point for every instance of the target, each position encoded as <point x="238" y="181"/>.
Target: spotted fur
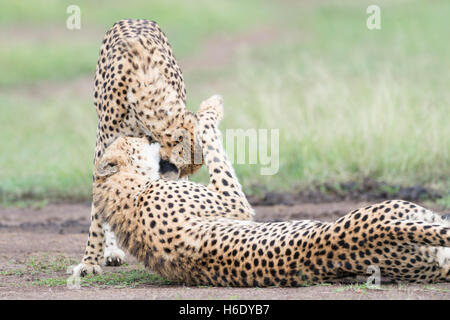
<point x="139" y="91"/>
<point x="201" y="235"/>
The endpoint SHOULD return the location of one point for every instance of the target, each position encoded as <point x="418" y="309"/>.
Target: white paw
<point x="84" y="269"/>
<point x="215" y="104"/>
<point x="114" y="256"/>
<point x="443" y="256"/>
<point x="446" y="218"/>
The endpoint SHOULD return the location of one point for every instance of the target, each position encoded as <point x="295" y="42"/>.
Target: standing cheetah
<point x="201" y="235"/>
<point x="139" y="91"/>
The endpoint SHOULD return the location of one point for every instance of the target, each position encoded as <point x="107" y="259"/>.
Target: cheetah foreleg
<point x="113" y="255"/>
<point x="94" y="253"/>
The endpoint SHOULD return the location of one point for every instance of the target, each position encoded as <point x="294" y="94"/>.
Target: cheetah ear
<point x="107" y="167"/>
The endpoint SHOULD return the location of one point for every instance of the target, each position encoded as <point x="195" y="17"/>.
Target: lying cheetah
<point x="139" y="91"/>
<point x="201" y="235"/>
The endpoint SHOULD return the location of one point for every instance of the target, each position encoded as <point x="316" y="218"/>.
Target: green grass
<point x="444" y="201"/>
<point x="49" y="145"/>
<point x="46" y="269"/>
<point x="120" y="279"/>
<point x="41" y="264"/>
<point x="358" y="288"/>
<point x="28" y="63"/>
<point x="45" y="263"/>
<point x="349" y="103"/>
<point x="433" y="288"/>
<point x="41" y="47"/>
<point x="12" y="272"/>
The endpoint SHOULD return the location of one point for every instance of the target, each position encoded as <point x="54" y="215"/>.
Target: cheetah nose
<point x="168" y="170"/>
<point x="150" y="139"/>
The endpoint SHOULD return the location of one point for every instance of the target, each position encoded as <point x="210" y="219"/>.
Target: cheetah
<point x="204" y="235"/>
<point x="139" y="91"/>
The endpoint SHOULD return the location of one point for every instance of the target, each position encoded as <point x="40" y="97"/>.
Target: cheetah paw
<point x="213" y="104"/>
<point x="84" y="269"/>
<point x="114" y="257"/>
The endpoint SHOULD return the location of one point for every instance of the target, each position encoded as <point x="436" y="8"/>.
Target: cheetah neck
<point x="118" y="192"/>
<point x="117" y="201"/>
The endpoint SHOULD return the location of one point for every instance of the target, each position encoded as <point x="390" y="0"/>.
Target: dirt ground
<point x="61" y="230"/>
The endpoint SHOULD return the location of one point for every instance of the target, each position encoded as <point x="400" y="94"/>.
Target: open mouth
<point x="168" y="170"/>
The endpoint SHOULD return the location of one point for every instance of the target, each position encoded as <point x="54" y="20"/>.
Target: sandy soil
<point x="61" y="229"/>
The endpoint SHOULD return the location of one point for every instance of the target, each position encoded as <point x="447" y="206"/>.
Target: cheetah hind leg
<point x="440" y="254"/>
<point x="222" y="176"/>
<point x="213" y="106"/>
<point x="445" y="270"/>
<point x="209" y="116"/>
<point x="422" y="214"/>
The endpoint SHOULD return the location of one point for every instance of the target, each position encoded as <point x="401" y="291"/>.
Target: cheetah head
<point x="130" y="155"/>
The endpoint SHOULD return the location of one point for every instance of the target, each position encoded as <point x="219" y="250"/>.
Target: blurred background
<point x="352" y="105"/>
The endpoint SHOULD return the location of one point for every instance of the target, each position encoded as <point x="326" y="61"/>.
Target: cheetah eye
<point x="108" y="168"/>
<point x="110" y="165"/>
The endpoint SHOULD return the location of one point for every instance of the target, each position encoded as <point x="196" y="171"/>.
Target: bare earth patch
<point x="37" y="245"/>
